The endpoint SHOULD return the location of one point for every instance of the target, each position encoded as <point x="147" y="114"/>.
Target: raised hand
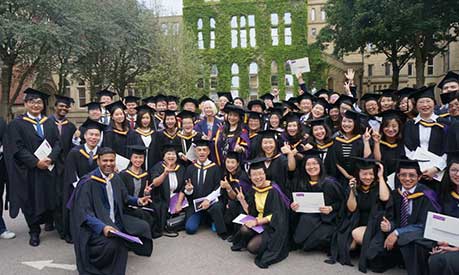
<point x="145" y="200"/>
<point x="148" y="188"/>
<point x="367" y="135"/>
<point x="239" y="194"/>
<point x="376" y="136"/>
<point x="224" y="184"/>
<point x="380" y="169"/>
<point x="350" y="74"/>
<point x="188" y="185"/>
<point x="286" y="148"/>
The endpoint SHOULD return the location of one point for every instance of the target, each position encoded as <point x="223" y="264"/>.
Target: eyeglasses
<point x="453" y="171"/>
<point x="408" y="175"/>
<point x="35" y="102"/>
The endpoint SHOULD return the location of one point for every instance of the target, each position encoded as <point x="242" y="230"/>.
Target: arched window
<point x="288" y="81"/>
<point x="213" y="77"/>
<point x="274" y="75"/>
<point x="253" y="78"/>
<point x="212" y="33"/>
<point x="81" y="88"/>
<point x="200" y="36"/>
<point x="313" y="14"/>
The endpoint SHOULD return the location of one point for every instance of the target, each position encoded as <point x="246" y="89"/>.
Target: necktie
<point x="91" y="158"/>
<point x="110" y="200"/>
<point x="405" y="209"/>
<point x="131" y="123"/>
<point x="201" y="175"/>
<point x="39" y="128"/>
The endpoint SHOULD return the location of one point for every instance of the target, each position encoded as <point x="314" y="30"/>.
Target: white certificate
<point x="43" y="152"/>
<point x="442" y="228"/>
<point x="433" y="161"/>
<point x="191" y="154"/>
<point x="391" y="181"/>
<point x="309" y="202"/>
<point x="122" y="162"/>
<point x="300" y="65"/>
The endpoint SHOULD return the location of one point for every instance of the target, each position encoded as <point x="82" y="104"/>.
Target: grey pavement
<point x="203" y="253"/>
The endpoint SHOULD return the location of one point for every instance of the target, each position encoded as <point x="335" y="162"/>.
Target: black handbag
<point x="176" y="223"/>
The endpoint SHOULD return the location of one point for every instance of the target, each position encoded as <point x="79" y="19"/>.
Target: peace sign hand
<point x="239" y="194"/>
<point x="188" y="185"/>
<point x="148" y="188"/>
<point x="367" y="135"/>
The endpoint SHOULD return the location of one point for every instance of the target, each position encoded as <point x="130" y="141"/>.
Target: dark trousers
<point x="34" y="222"/>
<point x="444" y="264"/>
<point x="415" y="257"/>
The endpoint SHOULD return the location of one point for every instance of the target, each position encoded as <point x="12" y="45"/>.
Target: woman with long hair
<point x="115" y="136"/>
<point x="144" y="133"/>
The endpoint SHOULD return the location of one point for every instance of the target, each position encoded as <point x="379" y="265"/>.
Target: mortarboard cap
<point x="292" y="117"/>
<point x="169" y="113"/>
<point x="150" y="99"/>
<point x="256" y="102"/>
<point x="203" y="98"/>
<point x="255" y="115"/>
<point x="230" y="108"/>
<point x="233" y="155"/>
<point x="267" y="96"/>
<point x="202" y="142"/>
<point x="405" y="92"/>
<point x="409" y="164"/>
<point x="144" y="108"/>
<point x="323" y="102"/>
<point x="364" y="163"/>
<point x="257" y="163"/>
<point x="306" y="96"/>
<point x="92" y="124"/>
<point x="92" y="106"/>
<point x="449" y="77"/>
<point x="172" y="98"/>
<point x="105" y="92"/>
<point x="390" y="114"/>
<point x="370" y="96"/>
<point x="115" y="105"/>
<point x="353" y="114"/>
<point x="388" y="93"/>
<point x="448" y="97"/>
<point x="425" y="92"/>
<point x="290" y="105"/>
<point x="33" y="94"/>
<point x="189" y="100"/>
<point x="137" y="149"/>
<point x="227" y="95"/>
<point x="345" y="99"/>
<point x="317" y="122"/>
<point x="161" y="97"/>
<point x="64" y="99"/>
<point x="186" y="114"/>
<point x="131" y="99"/>
<point x="322" y="92"/>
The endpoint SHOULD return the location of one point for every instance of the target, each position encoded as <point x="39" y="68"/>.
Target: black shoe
<point x="230" y="239"/>
<point x="330" y="261"/>
<point x="49" y="227"/>
<point x="224" y="236"/>
<point x="236" y="247"/>
<point x="261" y="265"/>
<point x="34" y="239"/>
<point x="68" y="239"/>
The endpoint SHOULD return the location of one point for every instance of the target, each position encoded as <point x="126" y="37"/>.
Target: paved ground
<point x="203" y="253"/>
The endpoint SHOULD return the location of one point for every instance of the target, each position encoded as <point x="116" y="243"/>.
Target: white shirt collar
<point x="33" y="117"/>
<point x="410" y="190"/>
<point x="207" y="162"/>
<point x="86" y="148"/>
<point x="107" y="178"/>
<point x="433" y="118"/>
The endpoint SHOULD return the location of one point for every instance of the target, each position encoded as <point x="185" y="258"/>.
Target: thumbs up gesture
<point x="385" y="225"/>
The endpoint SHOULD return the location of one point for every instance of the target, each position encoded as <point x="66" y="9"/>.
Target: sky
<point x="166" y="7"/>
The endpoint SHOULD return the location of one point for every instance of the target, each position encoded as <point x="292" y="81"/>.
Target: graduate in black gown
<point x="115" y="136"/>
<point x="81" y="160"/>
<point x="94" y="113"/>
<point x="66" y="129"/>
<point x="201" y="180"/>
<point x="4" y="232"/>
<point x="144" y="134"/>
<point x="348" y="143"/>
<point x="97" y="210"/>
<point x="270" y="209"/>
<point x="293" y="135"/>
<point x="314" y="231"/>
<point x="254" y="126"/>
<point x="428" y="131"/>
<point x="34" y="188"/>
<point x="367" y="204"/>
<point x="166" y="136"/>
<point x="168" y="178"/>
<point x="161" y="107"/>
<point x="187" y="135"/>
<point x="135" y="178"/>
<point x="445" y="257"/>
<point x="388" y="142"/>
<point x="406" y="230"/>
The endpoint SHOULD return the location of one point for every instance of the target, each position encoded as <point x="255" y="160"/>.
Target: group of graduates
<point x="212" y="161"/>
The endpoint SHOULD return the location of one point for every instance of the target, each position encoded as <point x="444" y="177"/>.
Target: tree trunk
<point x="7" y="76"/>
<point x="395" y="75"/>
<point x="420" y="60"/>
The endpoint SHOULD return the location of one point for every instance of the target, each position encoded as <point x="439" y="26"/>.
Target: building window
<point x="252" y="33"/>
<point x="212" y="33"/>
<point x="313" y="14"/>
<point x="234" y="78"/>
<point x="387" y="69"/>
<point x="322" y="14"/>
<point x="313" y="31"/>
<point x="410" y="69"/>
<point x="430" y="66"/>
<point x="274" y="75"/>
<point x="200" y="83"/>
<point x="288" y="78"/>
<point x="175" y="28"/>
<point x="253" y="76"/>
<point x="81" y="93"/>
<point x="164" y="28"/>
<point x="67" y="87"/>
<point x="370" y="70"/>
<point x="274" y="29"/>
<point x="288" y="28"/>
<point x="200" y="36"/>
<point x="213" y="77"/>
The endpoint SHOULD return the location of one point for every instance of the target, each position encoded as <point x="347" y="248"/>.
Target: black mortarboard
<point x="64" y="99"/>
<point x="388" y="93"/>
<point x="390" y="114"/>
<point x="278" y="105"/>
<point x="409" y="164"/>
<point x="256" y="102"/>
<point x="186" y="114"/>
<point x="276" y="110"/>
<point x="448" y="97"/>
<point x="311" y="153"/>
<point x="202" y="142"/>
<point x="131" y="99"/>
<point x="346" y="99"/>
<point x="33" y="94"/>
<point x="426" y="92"/>
<point x="105" y="93"/>
<point x="226" y="94"/>
<point x="169" y="113"/>
<point x="233" y="108"/>
<point x="255" y="115"/>
<point x="203" y="98"/>
<point x="370" y="96"/>
<point x="323" y="102"/>
<point x="453" y="156"/>
<point x="305" y="96"/>
<point x="233" y="155"/>
<point x="449" y="77"/>
<point x="364" y="163"/>
<point x="353" y="114"/>
<point x="322" y="92"/>
<point x="316" y="122"/>
<point x="189" y="100"/>
<point x="269" y="134"/>
<point x="145" y="108"/>
<point x="173" y="98"/>
<point x="405" y="92"/>
<point x="257" y="163"/>
<point x="150" y="99"/>
<point x="115" y="105"/>
<point x="289" y="104"/>
<point x="267" y="96"/>
<point x="291" y="117"/>
<point x="161" y="97"/>
<point x="92" y="124"/>
<point x="137" y="149"/>
<point x="92" y="106"/>
<point x="168" y="147"/>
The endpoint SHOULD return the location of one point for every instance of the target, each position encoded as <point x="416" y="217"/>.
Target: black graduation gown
<point x="275" y="239"/>
<point x="150" y="217"/>
<point x="255" y="145"/>
<point x="161" y="194"/>
<point x="76" y="167"/>
<point x="96" y="254"/>
<point x="315" y="230"/>
<point x="3" y="174"/>
<point x="452" y="138"/>
<point x="67" y="132"/>
<point x="117" y="140"/>
<point x="135" y="138"/>
<point x="211" y="183"/>
<point x="186" y="143"/>
<point x="158" y="123"/>
<point x="233" y="207"/>
<point x="162" y="138"/>
<point x="389" y="155"/>
<point x="450" y="205"/>
<point x="413" y="247"/>
<point x="277" y="171"/>
<point x="34" y="190"/>
<point x="335" y="156"/>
